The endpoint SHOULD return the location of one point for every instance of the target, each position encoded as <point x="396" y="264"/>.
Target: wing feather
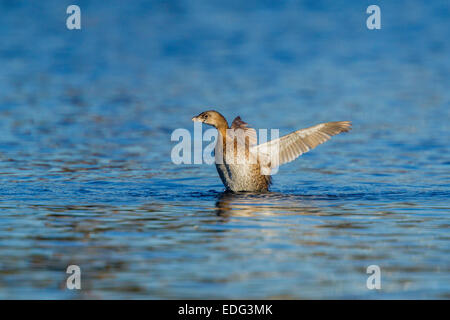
<point x="246" y="132"/>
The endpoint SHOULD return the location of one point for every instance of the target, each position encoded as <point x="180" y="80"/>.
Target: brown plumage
<point x="250" y="170"/>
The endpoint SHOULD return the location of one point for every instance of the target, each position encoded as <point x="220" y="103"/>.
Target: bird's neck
<point x="222" y="126"/>
<point x="223" y="131"/>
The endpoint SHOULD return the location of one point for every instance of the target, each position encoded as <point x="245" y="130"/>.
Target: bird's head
<point x="211" y="117"/>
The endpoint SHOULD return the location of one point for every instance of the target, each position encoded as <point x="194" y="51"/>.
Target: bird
<point x="244" y="166"/>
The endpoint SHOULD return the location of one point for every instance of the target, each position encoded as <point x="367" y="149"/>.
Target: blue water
<point x="86" y="175"/>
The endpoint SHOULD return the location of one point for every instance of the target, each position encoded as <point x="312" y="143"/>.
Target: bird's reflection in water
<point x="267" y="203"/>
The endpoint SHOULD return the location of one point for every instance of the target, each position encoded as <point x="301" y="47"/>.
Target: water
<point x="86" y="176"/>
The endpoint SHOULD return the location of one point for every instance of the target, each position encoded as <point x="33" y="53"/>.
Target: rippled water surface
<point x="87" y="179"/>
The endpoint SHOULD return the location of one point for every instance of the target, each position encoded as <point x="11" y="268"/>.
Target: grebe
<point x="250" y="170"/>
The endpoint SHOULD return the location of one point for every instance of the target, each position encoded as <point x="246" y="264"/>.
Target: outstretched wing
<point x="293" y="145"/>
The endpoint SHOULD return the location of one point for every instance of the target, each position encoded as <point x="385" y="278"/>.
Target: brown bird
<point x="245" y="166"/>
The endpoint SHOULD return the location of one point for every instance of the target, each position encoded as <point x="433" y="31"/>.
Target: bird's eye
<point x="205" y="116"/>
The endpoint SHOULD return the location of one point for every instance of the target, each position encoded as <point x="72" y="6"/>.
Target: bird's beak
<point x="196" y="119"/>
